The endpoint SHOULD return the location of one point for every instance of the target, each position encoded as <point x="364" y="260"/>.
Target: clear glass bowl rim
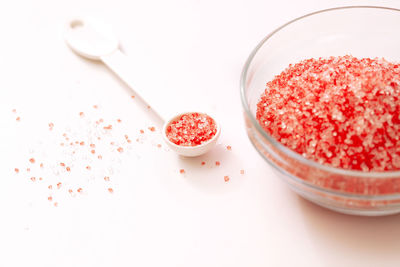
<point x="277" y="145"/>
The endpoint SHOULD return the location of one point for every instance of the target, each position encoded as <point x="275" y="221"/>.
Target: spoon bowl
<point x="190" y="151"/>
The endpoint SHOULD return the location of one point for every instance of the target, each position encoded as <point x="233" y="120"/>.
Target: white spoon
<point x="93" y="39"/>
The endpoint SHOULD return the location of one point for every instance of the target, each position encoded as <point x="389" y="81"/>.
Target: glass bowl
<point x="360" y="31"/>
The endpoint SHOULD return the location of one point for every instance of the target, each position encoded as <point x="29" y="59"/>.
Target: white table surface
<point x="191" y="54"/>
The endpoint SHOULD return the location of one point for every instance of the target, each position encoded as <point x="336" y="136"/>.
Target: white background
<point x="191" y="54"/>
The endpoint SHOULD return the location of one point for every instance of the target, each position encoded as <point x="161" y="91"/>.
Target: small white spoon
<point x="93" y="39"/>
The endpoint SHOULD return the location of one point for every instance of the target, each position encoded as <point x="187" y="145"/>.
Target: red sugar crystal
<point x="120" y="149"/>
<point x="339" y="111"/>
<point x="50" y="198"/>
<point x="152" y="128"/>
<point x="81" y="114"/>
<point x="16" y="170"/>
<point x="106" y="178"/>
<point x="228" y="147"/>
<point x="217" y="163"/>
<point x="109" y="127"/>
<point x="191" y="129"/>
<point x="18" y="119"/>
<point x="182" y="171"/>
<point x="141" y="131"/>
<point x="32" y="160"/>
<point x="203" y="163"/>
<point x="241" y="171"/>
<point x="79" y="190"/>
<point x="226" y="178"/>
<point x="33" y="179"/>
<point x="110" y="190"/>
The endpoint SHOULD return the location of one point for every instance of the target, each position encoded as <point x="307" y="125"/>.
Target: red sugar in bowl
<point x="339" y="111"/>
<point x="321" y="99"/>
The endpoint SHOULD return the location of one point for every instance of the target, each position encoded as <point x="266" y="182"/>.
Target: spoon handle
<point x="119" y="64"/>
